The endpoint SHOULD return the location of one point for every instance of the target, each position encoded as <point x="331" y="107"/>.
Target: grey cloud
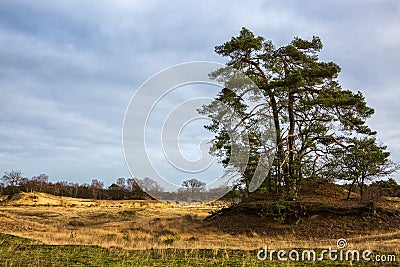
<point x="69" y="68"/>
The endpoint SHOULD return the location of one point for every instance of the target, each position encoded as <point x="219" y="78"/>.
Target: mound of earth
<point x="43" y="199"/>
<point x="322" y="211"/>
<point x="304" y="220"/>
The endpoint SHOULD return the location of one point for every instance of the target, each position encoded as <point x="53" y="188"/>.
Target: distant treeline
<point x="192" y="190"/>
<point x="124" y="188"/>
<point x="128" y="188"/>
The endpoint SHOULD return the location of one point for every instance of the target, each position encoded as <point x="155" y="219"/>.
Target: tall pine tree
<point x="312" y="114"/>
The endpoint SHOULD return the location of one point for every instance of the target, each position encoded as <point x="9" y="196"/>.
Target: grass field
<point x="43" y="230"/>
<point x="15" y="251"/>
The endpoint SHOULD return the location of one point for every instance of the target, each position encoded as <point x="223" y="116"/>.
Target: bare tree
<point x="131" y="184"/>
<point x="74" y="187"/>
<point x="96" y="186"/>
<point x="41" y="180"/>
<point x="121" y="182"/>
<point x="149" y="185"/>
<point x="12" y="178"/>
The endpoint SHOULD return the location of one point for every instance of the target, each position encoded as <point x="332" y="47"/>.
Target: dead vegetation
<point x="151" y="224"/>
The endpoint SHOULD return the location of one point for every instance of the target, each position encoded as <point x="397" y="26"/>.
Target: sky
<point x="68" y="69"/>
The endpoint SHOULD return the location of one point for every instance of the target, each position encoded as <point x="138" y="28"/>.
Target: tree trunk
<point x="350" y="189"/>
<point x="291" y="147"/>
<point x="361" y="185"/>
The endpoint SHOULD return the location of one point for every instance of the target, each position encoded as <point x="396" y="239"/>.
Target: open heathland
<point x="43" y="230"/>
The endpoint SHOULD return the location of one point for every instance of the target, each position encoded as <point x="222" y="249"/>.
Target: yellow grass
<point x="146" y="224"/>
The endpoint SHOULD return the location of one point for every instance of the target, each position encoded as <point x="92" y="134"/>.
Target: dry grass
<point x="42" y="199"/>
<point x="148" y="224"/>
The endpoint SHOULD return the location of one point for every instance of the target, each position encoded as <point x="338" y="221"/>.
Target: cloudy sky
<point x="68" y="69"/>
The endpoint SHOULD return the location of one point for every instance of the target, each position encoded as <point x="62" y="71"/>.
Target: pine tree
<point x="312" y="114"/>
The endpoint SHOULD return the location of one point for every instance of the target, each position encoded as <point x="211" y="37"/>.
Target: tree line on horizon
<point x="14" y="182"/>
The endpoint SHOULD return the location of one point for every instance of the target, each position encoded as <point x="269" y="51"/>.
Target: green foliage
<point x="246" y="41"/>
<point x="389" y="187"/>
<point x="72" y="235"/>
<point x="276" y="210"/>
<point x="281" y="207"/>
<point x="169" y="241"/>
<point x="11" y="191"/>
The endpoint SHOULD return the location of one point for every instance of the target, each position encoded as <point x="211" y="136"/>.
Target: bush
<point x="11" y="191"/>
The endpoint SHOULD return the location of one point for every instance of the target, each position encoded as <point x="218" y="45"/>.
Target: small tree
<point x="193" y="185"/>
<point x="361" y="161"/>
<point x="13" y="179"/>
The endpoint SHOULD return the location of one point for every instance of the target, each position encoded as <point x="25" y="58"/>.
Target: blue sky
<point x="69" y="68"/>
